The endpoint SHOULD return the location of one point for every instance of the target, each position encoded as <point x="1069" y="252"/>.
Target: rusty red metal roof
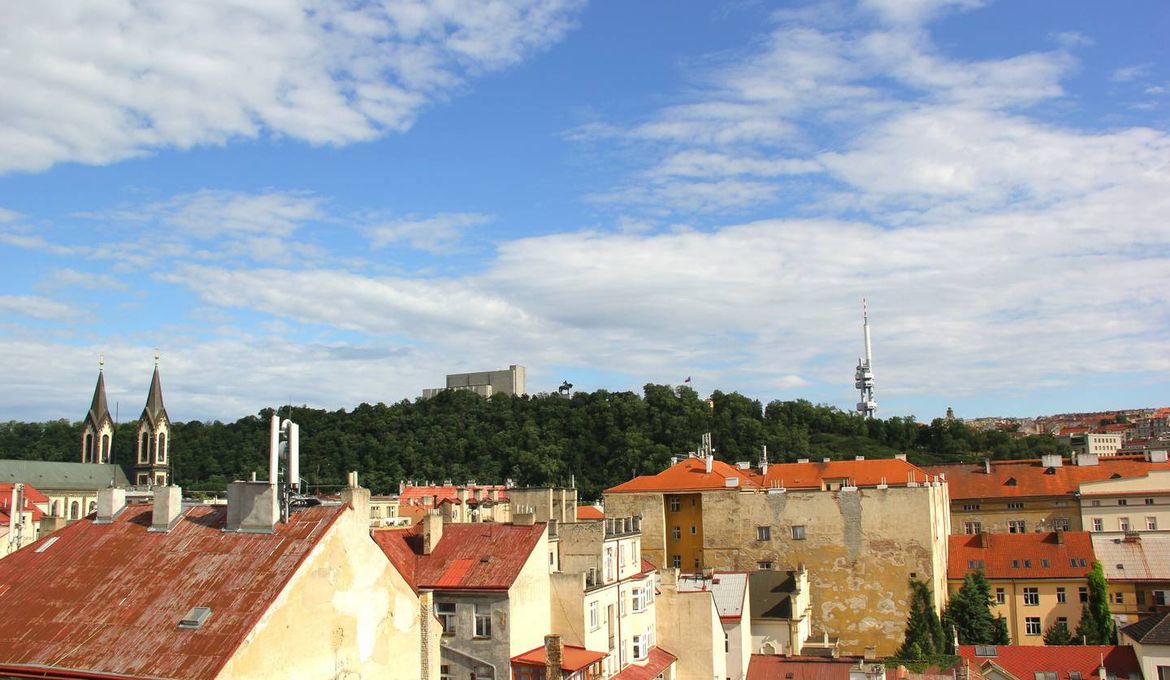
<point x="657" y="661"/>
<point x="108" y="598"/>
<point x="771" y="667"/>
<point x="475" y="556"/>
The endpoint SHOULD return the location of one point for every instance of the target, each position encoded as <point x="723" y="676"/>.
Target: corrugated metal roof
<point x="727" y="588"/>
<point x="474" y="556"/>
<point x="1140" y="558"/>
<point x="52" y="476"/>
<point x="1014" y="556"/>
<point x="108" y="598"/>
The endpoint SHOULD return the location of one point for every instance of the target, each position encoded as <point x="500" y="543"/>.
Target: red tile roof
<point x="1031" y="479"/>
<point x="1024" y="661"/>
<point x="458" y="561"/>
<point x="1026" y="551"/>
<point x="657" y="661"/>
<point x="589" y="512"/>
<point x="691" y="475"/>
<point x="573" y="658"/>
<point x="423" y="495"/>
<point x="772" y="667"/>
<point x="31" y="498"/>
<point x="108" y="598"/>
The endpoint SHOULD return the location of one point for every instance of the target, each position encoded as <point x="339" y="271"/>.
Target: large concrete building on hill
<point x="861" y="528"/>
<point x="511" y="380"/>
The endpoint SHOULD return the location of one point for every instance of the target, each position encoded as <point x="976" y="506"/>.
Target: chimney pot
<point x="553" y="655"/>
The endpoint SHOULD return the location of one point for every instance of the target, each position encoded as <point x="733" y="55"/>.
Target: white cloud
<point x="437" y="234"/>
<point x="73" y="278"/>
<point x="1130" y="73"/>
<point x="38" y="308"/>
<point x="103" y="80"/>
<point x="8" y="215"/>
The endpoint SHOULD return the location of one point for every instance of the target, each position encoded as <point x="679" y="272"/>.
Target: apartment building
<point x="1150" y="640"/>
<point x="1102" y="444"/>
<point x="1022" y="496"/>
<point x="22" y="512"/>
<point x="1020" y="662"/>
<point x="490" y="584"/>
<point x="1036" y="579"/>
<point x="459" y="503"/>
<point x="605" y="599"/>
<point x="709" y="616"/>
<point x="1128" y="504"/>
<point x="861" y="528"/>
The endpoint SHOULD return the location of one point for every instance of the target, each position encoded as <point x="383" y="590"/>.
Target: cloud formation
<point x="98" y="81"/>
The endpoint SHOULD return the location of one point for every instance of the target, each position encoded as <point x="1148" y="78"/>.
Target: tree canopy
<point x="1096" y="626"/>
<point x="924" y="630"/>
<point x="969" y="614"/>
<point x="598" y="438"/>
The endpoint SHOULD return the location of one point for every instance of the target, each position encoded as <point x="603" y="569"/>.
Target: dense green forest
<point x="601" y="438"/>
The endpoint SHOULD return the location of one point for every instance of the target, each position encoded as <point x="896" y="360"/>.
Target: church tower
<point x="97" y="431"/>
<point x="152" y="464"/>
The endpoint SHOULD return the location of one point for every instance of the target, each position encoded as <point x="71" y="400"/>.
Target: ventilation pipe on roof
<point x="710" y="461"/>
<point x="986" y="466"/>
<point x="764" y="460"/>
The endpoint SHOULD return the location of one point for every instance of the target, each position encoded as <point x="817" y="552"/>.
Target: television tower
<point x="863" y="378"/>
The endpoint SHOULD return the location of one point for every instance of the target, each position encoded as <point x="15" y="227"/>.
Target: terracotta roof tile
<point x="771" y="667"/>
<point x="477" y="556"/>
<point x="589" y="512"/>
<point x="691" y="475"/>
<point x="1024" y="661"/>
<point x="657" y="661"/>
<point x="86" y="601"/>
<point x="1019" y="556"/>
<point x="688" y="475"/>
<point x="419" y="495"/>
<point x="969" y="481"/>
<point x="573" y="658"/>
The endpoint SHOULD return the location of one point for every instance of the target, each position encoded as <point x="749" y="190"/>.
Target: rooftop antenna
<point x="863" y="377"/>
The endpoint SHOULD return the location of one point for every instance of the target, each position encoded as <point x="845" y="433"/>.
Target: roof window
<point x="195" y="618"/>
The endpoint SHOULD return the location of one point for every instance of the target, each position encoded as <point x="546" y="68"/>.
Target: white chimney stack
<point x="273" y="448"/>
<point x="168" y="507"/>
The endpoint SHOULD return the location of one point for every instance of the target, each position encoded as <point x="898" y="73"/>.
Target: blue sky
<point x="340" y="205"/>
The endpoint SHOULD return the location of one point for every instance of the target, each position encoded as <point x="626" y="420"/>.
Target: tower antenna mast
<point x="863" y="378"/>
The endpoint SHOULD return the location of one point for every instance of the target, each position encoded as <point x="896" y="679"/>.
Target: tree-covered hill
<point x="601" y="438"/>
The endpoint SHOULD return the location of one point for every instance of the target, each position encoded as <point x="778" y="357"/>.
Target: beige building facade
<point x="1134" y="504"/>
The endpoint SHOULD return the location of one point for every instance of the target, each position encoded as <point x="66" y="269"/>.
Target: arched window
<point x="105" y="449"/>
<point x="144" y="447"/>
<point x="74" y="510"/>
<point x="162" y="448"/>
<point x="92" y="507"/>
<point x="87" y="448"/>
<point x="53" y="509"/>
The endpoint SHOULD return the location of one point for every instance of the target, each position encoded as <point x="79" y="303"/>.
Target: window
<point x="1098" y="524"/>
<point x="676" y="561"/>
<point x="1046" y="675"/>
<point x="161" y="454"/>
<point x="594" y="615"/>
<point x="1123" y="524"/>
<point x="972" y="527"/>
<point x="1119" y="598"/>
<point x="798" y="532"/>
<point x="1031" y="596"/>
<point x="1027" y="564"/>
<point x="1141" y="596"/>
<point x="675" y="506"/>
<point x="1000" y="596"/>
<point x="1080" y="561"/>
<point x="621" y="606"/>
<point x="766" y="565"/>
<point x="622" y="554"/>
<point x="971" y="506"/>
<point x="1149" y="501"/>
<point x="1016" y="526"/>
<point x="74" y="510"/>
<point x="726" y="643"/>
<point x="144" y="448"/>
<point x="483" y="621"/>
<point x="1074" y="675"/>
<point x="1044" y="563"/>
<point x="1032" y="625"/>
<point x="640" y="647"/>
<point x="763" y="533"/>
<point x="1061" y="596"/>
<point x="676" y="533"/>
<point x="694" y="530"/>
<point x="1061" y="524"/>
<point x="143" y="479"/>
<point x="638" y="599"/>
<point x="446" y="613"/>
<point x="974" y="564"/>
<point x="1096" y="504"/>
<point x="1122" y="501"/>
<point x="1151" y="524"/>
<point x="1015" y="506"/>
<point x="1083" y="594"/>
<point x="445" y="672"/>
<point x="1015" y="564"/>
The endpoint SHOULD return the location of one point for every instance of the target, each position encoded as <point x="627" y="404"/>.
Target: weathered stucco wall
<point x="860" y="548"/>
<point x="529" y="599"/>
<point x="346" y="613"/>
<point x="650" y="507"/>
<point x="689" y="627"/>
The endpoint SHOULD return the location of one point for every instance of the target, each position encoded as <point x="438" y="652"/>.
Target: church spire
<point x="154" y="397"/>
<point x="97" y="430"/>
<point x="152" y="464"/>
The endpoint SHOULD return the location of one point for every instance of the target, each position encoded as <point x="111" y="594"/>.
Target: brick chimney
<point x="553" y="653"/>
<point x="110" y="503"/>
<point x="432" y="530"/>
<point x="168" y="507"/>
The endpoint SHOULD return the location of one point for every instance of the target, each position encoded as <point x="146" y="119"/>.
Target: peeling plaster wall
<point x="650" y="507"/>
<point x="346" y="613"/>
<point x="860" y="548"/>
<point x="688" y="626"/>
